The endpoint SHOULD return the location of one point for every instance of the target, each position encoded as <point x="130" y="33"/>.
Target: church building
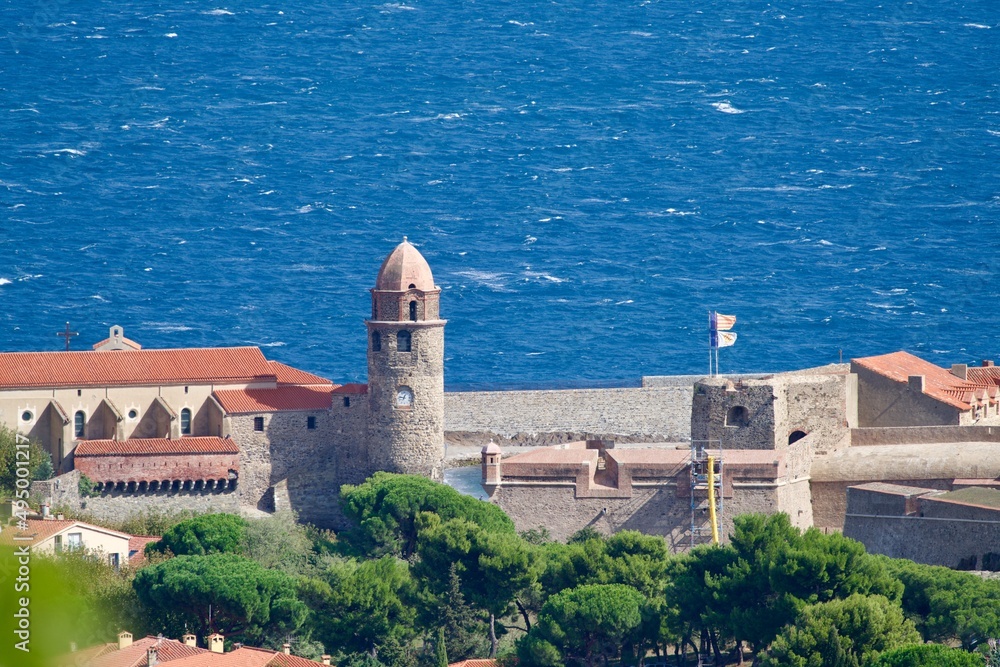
<point x="226" y="428"/>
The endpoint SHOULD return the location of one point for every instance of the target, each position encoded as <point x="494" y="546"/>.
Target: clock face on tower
<point x="404" y="397"/>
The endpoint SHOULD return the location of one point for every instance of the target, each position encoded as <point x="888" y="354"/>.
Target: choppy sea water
<point x="585" y="179"/>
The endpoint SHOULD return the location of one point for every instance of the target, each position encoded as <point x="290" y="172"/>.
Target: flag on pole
<point x="723" y="338"/>
<point x="722" y="322"/>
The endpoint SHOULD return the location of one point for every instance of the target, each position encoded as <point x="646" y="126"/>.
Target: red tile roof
<point x="138" y="367"/>
<point x="984" y="375"/>
<point x="137" y="548"/>
<point x="167" y="650"/>
<point x="939" y="383"/>
<point x="38" y="529"/>
<point x="288" y="397"/>
<point x="352" y="388"/>
<point x="288" y="375"/>
<point x="185" y="445"/>
<point x="475" y="662"/>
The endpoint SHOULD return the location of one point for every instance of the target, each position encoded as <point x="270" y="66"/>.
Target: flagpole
<point x="709" y="343"/>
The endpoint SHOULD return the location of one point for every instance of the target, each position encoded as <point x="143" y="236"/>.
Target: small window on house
<point x="376" y="341"/>
<point x="74" y="541"/>
<point x="79" y="392"/>
<point x="185" y="421"/>
<point x="403" y="341"/>
<point x="737" y="416"/>
<point x="258" y="423"/>
<point x="113" y="561"/>
<point x="310" y="423"/>
<point x="58" y="544"/>
<point x="79" y="422"/>
<point x="413" y="311"/>
<point x="26" y="416"/>
<point x="185" y="390"/>
<point x="133" y="413"/>
<point x="347" y="401"/>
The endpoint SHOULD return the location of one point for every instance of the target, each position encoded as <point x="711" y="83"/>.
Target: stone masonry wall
<point x="654" y="414"/>
<point x="63" y="492"/>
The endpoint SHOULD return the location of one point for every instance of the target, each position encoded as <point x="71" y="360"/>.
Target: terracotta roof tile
<point x="939" y="383"/>
<point x="984" y="375"/>
<point x="137" y="548"/>
<point x="185" y="445"/>
<point x="138" y="367"/>
<point x="475" y="662"/>
<point x="42" y="529"/>
<point x="288" y="375"/>
<point x="289" y="397"/>
<point x="167" y="650"/>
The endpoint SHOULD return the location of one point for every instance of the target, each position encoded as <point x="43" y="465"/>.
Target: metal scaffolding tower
<point x="706" y="491"/>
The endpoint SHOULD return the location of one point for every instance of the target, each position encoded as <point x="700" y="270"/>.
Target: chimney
<point x="961" y="371"/>
<point x="216" y="643"/>
<point x="916" y="383"/>
<point x="190" y="640"/>
<point x="286" y="648"/>
<point x="325" y="658"/>
<point x="151" y="658"/>
<point x="124" y="640"/>
<point x="987" y="363"/>
<point x="45" y="511"/>
<point x="61" y="517"/>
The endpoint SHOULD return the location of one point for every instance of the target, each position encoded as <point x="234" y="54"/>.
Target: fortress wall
<point x="912" y="435"/>
<point x="943" y="533"/>
<point x="829" y="499"/>
<point x="63" y="492"/>
<point x="819" y="406"/>
<point x="654" y="414"/>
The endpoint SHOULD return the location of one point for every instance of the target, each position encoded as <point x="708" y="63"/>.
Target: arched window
<point x="185" y="421"/>
<point x="376" y="341"/>
<point x="403" y="341"/>
<point x="795" y="436"/>
<point x="737" y="416"/>
<point x="413" y="311"/>
<point x="79" y="423"/>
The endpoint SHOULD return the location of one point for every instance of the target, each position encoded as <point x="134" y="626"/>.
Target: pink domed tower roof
<point x="405" y="268"/>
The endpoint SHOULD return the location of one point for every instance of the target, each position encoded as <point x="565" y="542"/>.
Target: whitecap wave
<point x="5" y="281"/>
<point x="726" y="107"/>
<point x="978" y="26"/>
<point x="167" y="327"/>
<point x="68" y="151"/>
<point x="218" y="12"/>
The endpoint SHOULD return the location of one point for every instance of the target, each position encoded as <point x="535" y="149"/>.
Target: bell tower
<point x="406" y="368"/>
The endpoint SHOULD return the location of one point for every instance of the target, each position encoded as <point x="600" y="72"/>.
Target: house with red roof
<point x="152" y="651"/>
<point x="55" y="535"/>
<point x="901" y="389"/>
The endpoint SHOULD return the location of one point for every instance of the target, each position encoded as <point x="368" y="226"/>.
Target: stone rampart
<point x="913" y="435"/>
<point x="62" y="492"/>
<point x="648" y="414"/>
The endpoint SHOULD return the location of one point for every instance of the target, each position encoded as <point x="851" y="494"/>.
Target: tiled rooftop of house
<point x="939" y="383"/>
<point x="288" y="375"/>
<point x="138" y="367"/>
<point x="289" y="397"/>
<point x="157" y="446"/>
<point x="179" y="654"/>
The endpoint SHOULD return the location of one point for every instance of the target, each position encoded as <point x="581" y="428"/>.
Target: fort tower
<point x="406" y="368"/>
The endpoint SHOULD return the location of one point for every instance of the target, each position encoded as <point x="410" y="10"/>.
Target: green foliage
<point x="536" y="536"/>
<point x="928" y="655"/>
<point x="386" y="506"/>
<point x="220" y="592"/>
<point x="948" y="605"/>
<point x="33" y="459"/>
<point x="584" y="535"/>
<point x="362" y="607"/>
<point x="842" y="633"/>
<point x="440" y="651"/>
<point x="86" y="487"/>
<point x="463" y="627"/>
<point x="205" y="534"/>
<point x="278" y="542"/>
<point x="582" y="625"/>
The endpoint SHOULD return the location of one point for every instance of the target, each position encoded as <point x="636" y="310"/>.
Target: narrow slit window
<point x="79" y="424"/>
<point x="376" y="341"/>
<point x="185" y="421"/>
<point x="347" y="401"/>
<point x="310" y="423"/>
<point x="413" y="311"/>
<point x="258" y="424"/>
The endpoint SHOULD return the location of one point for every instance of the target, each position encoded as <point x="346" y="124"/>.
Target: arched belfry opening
<point x="413" y="311"/>
<point x="737" y="416"/>
<point x="795" y="436"/>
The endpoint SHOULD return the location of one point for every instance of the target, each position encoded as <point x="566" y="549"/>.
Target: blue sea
<point x="586" y="178"/>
